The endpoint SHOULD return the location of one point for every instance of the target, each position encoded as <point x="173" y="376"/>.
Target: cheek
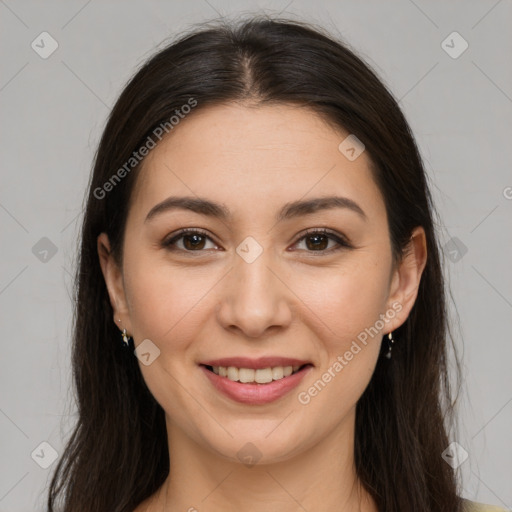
<point x="166" y="308"/>
<point x="347" y="300"/>
<point x="343" y="311"/>
<point x="163" y="300"/>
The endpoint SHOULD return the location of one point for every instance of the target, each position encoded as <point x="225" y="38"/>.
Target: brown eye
<point x="318" y="241"/>
<point x="193" y="240"/>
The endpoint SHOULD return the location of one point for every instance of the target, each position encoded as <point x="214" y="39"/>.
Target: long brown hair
<point x="117" y="455"/>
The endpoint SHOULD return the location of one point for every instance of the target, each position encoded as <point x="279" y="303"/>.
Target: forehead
<point x="254" y="159"/>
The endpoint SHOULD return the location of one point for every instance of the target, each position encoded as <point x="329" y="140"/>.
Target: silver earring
<point x="390" y="345"/>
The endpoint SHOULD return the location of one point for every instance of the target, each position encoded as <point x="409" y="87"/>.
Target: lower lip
<point x="256" y="394"/>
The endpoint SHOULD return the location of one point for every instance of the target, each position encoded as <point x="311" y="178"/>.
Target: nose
<point x="255" y="298"/>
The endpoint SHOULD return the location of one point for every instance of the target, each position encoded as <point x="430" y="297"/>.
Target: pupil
<point x="316" y="237"/>
<point x="196" y="243"/>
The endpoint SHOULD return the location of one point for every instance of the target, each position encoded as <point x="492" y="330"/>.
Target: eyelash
<point x="342" y="242"/>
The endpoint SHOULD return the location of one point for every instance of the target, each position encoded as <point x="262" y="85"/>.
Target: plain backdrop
<point x="458" y="101"/>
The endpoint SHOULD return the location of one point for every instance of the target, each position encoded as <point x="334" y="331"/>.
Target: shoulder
<point x="473" y="506"/>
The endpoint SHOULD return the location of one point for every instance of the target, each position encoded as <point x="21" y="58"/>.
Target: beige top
<point x="473" y="506"/>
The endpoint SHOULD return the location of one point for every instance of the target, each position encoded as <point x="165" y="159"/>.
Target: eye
<point x="317" y="240"/>
<point x="193" y="240"/>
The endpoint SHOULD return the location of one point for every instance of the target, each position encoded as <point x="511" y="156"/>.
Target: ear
<point x="406" y="278"/>
<point x="114" y="281"/>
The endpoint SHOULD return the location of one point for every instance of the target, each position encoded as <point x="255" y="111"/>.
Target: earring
<point x="126" y="338"/>
<point x="390" y="345"/>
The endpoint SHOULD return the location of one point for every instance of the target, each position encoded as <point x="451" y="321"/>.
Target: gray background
<point x="53" y="111"/>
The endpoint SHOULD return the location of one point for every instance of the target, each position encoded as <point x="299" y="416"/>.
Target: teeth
<point x="277" y="373"/>
<point x="232" y="373"/>
<point x="260" y="376"/>
<point x="263" y="375"/>
<point x="246" y="375"/>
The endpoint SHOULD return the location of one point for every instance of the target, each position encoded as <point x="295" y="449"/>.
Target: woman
<point x="260" y="316"/>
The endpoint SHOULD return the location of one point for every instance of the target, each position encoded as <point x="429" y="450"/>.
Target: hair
<point x="117" y="454"/>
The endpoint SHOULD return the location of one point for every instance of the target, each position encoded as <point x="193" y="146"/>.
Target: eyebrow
<point x="288" y="211"/>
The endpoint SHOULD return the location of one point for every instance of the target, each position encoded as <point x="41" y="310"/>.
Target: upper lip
<point x="261" y="362"/>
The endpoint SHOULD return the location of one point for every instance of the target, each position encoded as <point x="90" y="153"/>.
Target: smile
<point x="255" y="382"/>
<point x="249" y="375"/>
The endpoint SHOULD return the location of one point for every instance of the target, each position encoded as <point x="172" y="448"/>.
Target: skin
<point x="294" y="301"/>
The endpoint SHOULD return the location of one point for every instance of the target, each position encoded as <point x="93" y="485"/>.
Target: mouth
<point x="255" y="382"/>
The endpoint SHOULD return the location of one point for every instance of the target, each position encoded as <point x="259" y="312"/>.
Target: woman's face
<point x="252" y="285"/>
